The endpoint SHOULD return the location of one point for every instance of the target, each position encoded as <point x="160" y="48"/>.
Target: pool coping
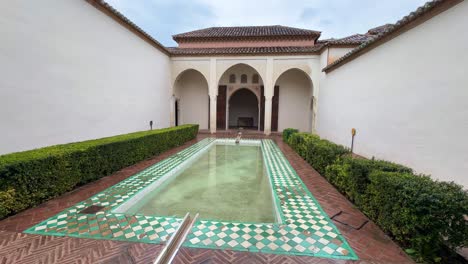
<point x="285" y="238"/>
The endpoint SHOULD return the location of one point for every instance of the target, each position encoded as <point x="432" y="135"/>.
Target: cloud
<point x="162" y="19"/>
<point x="325" y="22"/>
<point x="335" y="18"/>
<point x="309" y="13"/>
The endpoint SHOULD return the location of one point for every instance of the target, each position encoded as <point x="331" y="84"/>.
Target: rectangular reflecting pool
<point x="226" y="183"/>
<point x="248" y="196"/>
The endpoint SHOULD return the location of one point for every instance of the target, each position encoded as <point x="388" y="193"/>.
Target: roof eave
<point x="422" y="14"/>
<point x="227" y="38"/>
<point x="246" y="54"/>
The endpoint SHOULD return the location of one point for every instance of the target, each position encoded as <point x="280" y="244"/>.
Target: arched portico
<point x="269" y="78"/>
<point x="190" y="102"/>
<point x="294" y="92"/>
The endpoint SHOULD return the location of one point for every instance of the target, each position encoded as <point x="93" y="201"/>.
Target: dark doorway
<point x="262" y="108"/>
<point x="221" y="108"/>
<point x="243" y="110"/>
<point x="176" y="106"/>
<point x="275" y="110"/>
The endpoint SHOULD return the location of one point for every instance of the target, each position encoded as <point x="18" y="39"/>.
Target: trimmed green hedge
<point x="31" y="177"/>
<point x="317" y="152"/>
<point x="288" y="132"/>
<point x="351" y="175"/>
<point x="423" y="215"/>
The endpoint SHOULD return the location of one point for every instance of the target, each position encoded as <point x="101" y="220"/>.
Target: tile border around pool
<point x="305" y="229"/>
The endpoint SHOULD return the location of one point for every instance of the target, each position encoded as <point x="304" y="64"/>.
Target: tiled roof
<point x="244" y="51"/>
<point x="355" y="39"/>
<point x="379" y="29"/>
<point x="246" y="32"/>
<point x="387" y="31"/>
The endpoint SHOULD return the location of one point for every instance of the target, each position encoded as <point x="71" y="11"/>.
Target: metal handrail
<point x="178" y="237"/>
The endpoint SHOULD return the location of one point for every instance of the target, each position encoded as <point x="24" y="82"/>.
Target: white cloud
<point x="335" y="18"/>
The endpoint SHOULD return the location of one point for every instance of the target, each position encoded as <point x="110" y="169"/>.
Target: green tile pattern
<point x="303" y="228"/>
<point x="117" y="226"/>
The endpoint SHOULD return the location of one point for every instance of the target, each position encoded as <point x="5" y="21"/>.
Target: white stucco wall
<point x="295" y="92"/>
<point x="71" y="73"/>
<point x="238" y="70"/>
<point x="335" y="53"/>
<point x="191" y="90"/>
<point x="408" y="99"/>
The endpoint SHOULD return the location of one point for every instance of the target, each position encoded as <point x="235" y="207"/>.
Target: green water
<point x="226" y="183"/>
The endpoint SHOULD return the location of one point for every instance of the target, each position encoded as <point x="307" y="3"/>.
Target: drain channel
<point x="173" y="244"/>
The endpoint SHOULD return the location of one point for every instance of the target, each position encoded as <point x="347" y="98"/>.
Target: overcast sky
<point x="335" y="18"/>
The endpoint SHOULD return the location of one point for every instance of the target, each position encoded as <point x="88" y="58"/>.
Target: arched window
<point x="232" y="78"/>
<point x="244" y="78"/>
<point x="255" y="78"/>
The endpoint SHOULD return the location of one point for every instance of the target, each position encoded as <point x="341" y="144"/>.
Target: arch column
<point x="259" y="113"/>
<point x="268" y="110"/>
<point x="213" y="93"/>
<point x="213" y="109"/>
<point x="269" y="87"/>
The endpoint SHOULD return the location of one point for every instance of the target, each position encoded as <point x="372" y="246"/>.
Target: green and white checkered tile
<point x="106" y="224"/>
<point x="304" y="228"/>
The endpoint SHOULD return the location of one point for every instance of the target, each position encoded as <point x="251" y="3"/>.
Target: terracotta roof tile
<point x="355" y="39"/>
<point x="241" y="32"/>
<point x="379" y="29"/>
<point x="244" y="51"/>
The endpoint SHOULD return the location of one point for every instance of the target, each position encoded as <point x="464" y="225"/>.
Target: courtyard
<point x="157" y="131"/>
<point x="369" y="242"/>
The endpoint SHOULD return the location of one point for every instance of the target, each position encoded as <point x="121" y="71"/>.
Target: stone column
<point x="269" y="89"/>
<point x="268" y="107"/>
<point x="213" y="113"/>
<point x="213" y="92"/>
<point x="259" y="115"/>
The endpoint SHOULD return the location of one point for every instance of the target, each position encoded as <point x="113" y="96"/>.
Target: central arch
<point x="243" y="109"/>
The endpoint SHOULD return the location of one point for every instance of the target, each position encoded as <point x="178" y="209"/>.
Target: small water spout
<point x="238" y="138"/>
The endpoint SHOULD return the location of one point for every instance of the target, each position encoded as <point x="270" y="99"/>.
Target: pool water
<point x="226" y="183"/>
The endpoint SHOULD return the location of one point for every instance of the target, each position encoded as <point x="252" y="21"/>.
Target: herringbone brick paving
<point x="370" y="243"/>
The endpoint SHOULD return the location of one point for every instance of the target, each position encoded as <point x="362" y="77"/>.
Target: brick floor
<point x="370" y="243"/>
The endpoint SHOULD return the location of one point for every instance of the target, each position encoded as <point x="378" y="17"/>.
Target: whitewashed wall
<point x="335" y="53"/>
<point x="191" y="90"/>
<point x="295" y="93"/>
<point x="71" y="73"/>
<point x="408" y="99"/>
